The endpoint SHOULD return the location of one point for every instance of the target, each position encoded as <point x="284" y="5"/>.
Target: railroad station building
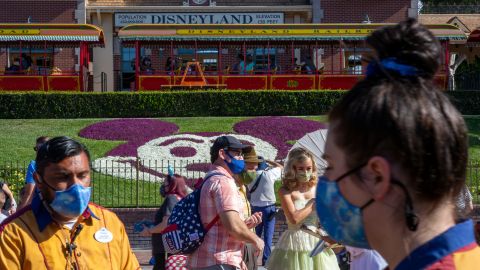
<point x="115" y="61"/>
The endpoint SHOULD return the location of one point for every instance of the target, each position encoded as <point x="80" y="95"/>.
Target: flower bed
<point x="278" y="130"/>
<point x="153" y="144"/>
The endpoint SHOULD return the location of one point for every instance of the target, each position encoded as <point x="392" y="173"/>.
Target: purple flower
<point x="135" y="131"/>
<point x="278" y="130"/>
<point x="183" y="151"/>
<point x="170" y="141"/>
<point x="128" y="130"/>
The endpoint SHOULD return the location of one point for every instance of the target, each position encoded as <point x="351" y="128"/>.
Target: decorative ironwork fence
<point x="136" y="183"/>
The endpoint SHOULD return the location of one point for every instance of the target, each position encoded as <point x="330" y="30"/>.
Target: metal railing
<point x="136" y="183"/>
<point x="468" y="80"/>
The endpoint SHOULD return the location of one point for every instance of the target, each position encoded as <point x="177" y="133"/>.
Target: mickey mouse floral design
<point x="152" y="142"/>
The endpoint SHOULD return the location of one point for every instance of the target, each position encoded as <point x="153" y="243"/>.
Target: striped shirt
<point x="219" y="194"/>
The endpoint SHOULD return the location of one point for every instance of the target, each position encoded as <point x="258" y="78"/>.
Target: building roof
<point x="474" y="38"/>
<point x="53" y="33"/>
<point x="467" y="22"/>
<point x="272" y="32"/>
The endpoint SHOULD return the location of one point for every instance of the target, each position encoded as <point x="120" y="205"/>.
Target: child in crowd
<point x="173" y="190"/>
<point x="297" y="196"/>
<point x="3" y="198"/>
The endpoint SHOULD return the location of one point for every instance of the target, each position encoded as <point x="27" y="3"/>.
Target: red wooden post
<point x="82" y="55"/>
<point x="45" y="74"/>
<point x="53" y="56"/>
<point x="137" y="64"/>
<point x="172" y="71"/>
<point x="219" y="66"/>
<point x="196" y="49"/>
<point x="340" y="53"/>
<point x="316" y="57"/>
<point x="293" y="56"/>
<point x="244" y="57"/>
<point x="331" y="57"/>
<point x="355" y="58"/>
<point x="268" y="57"/>
<point x="447" y="64"/>
<point x="45" y="55"/>
<point x="21" y="68"/>
<point x="317" y="77"/>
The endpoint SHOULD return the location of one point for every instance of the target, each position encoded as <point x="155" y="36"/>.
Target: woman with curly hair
<point x="297" y="196"/>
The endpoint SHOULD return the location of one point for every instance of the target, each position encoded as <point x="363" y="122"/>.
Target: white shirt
<point x="362" y="259"/>
<point x="2" y="217"/>
<point x="264" y="195"/>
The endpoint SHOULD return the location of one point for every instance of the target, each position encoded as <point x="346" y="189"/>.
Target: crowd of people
<point x="392" y="195"/>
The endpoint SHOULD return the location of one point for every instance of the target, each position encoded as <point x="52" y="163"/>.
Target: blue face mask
<point x="235" y="165"/>
<point x="341" y="219"/>
<point x="72" y="202"/>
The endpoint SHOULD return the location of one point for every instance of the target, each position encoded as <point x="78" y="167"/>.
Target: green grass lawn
<point x="18" y="136"/>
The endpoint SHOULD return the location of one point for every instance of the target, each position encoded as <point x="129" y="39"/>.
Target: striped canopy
<point x="54" y="33"/>
<point x="264" y="32"/>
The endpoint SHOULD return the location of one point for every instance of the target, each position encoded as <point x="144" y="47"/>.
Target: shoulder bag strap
<point x="217" y="217"/>
<point x="257" y="182"/>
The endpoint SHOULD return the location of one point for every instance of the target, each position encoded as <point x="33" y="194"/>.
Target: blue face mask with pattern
<point x="72" y="202"/>
<point x="341" y="219"/>
<point x="235" y="165"/>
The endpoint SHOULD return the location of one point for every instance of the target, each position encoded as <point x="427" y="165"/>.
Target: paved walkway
<point x="143" y="257"/>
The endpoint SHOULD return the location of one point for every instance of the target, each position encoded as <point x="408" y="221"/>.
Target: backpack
<point x="185" y="231"/>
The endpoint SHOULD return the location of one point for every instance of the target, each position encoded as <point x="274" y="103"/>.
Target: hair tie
<point x="391" y="63"/>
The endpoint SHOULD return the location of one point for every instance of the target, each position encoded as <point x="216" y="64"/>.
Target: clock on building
<point x="199" y="2"/>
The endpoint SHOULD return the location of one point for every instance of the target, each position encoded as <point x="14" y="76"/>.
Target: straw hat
<point x="250" y="156"/>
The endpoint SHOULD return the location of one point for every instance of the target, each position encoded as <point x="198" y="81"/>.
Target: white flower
<point x="151" y="155"/>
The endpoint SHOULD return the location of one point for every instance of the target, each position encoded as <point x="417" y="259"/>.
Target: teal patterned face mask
<point x="341" y="219"/>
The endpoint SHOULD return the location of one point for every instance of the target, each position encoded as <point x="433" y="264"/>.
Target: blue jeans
<point x="267" y="227"/>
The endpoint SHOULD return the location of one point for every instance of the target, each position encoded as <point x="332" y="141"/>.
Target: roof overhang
<point x="474" y="36"/>
<point x="113" y="9"/>
<point x="52" y="33"/>
<point x="263" y="32"/>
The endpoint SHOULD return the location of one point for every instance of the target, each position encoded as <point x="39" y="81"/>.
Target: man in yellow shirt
<point x="61" y="229"/>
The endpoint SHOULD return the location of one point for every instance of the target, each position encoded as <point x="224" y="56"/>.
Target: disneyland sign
<point x="123" y="19"/>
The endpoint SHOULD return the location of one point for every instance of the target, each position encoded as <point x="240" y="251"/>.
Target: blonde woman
<point x="297" y="196"/>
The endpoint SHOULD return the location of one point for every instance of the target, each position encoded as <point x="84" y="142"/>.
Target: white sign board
<point x="123" y="19"/>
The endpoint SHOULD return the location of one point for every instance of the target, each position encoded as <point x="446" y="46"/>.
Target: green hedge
<point x="185" y="103"/>
<point x="165" y="104"/>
